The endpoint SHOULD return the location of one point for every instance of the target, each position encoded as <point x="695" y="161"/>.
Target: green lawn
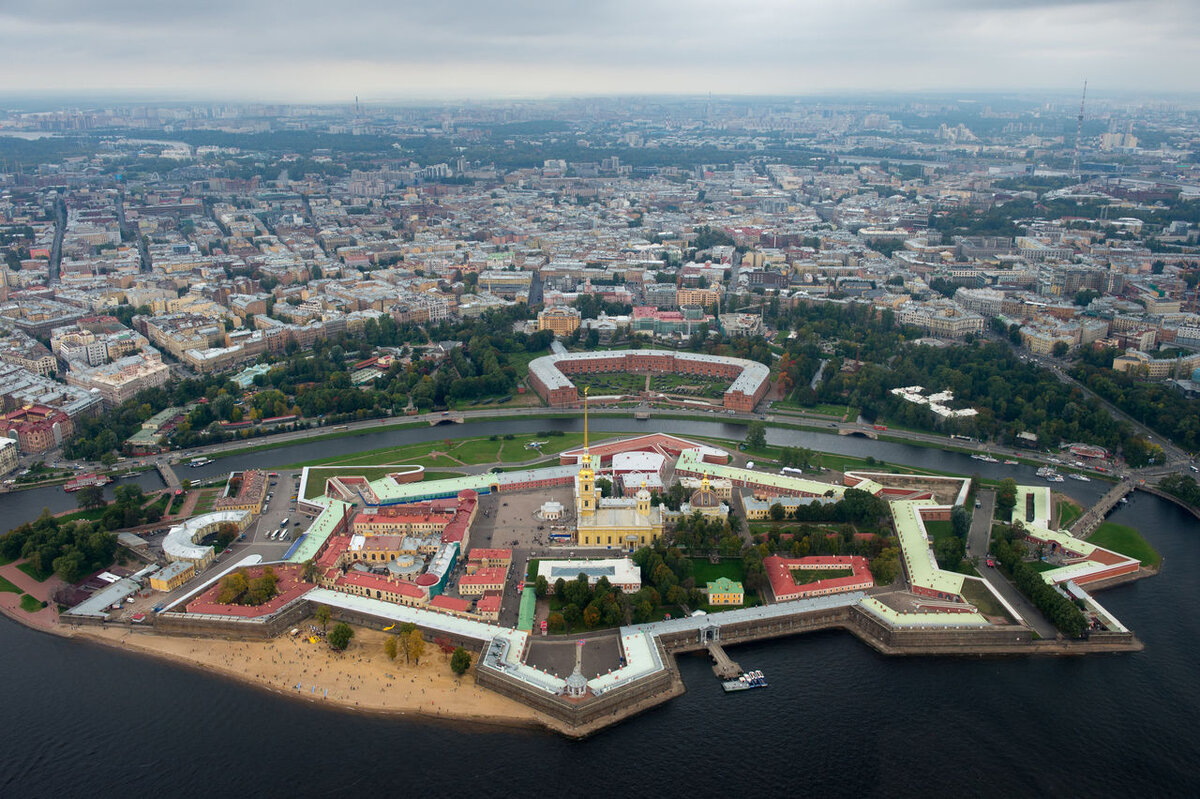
<point x="1127" y="541"/>
<point x="1068" y="512"/>
<point x="205" y="502"/>
<point x="975" y="592"/>
<point x="28" y="569"/>
<point x="532" y="572"/>
<point x="805" y="576"/>
<point x="91" y="515"/>
<point x="7" y="587"/>
<point x="1042" y="566"/>
<point x="29" y="604"/>
<point x="706" y="572"/>
<point x="939" y="529"/>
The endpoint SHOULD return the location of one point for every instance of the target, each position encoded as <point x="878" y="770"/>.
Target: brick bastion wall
<point x="579" y="718"/>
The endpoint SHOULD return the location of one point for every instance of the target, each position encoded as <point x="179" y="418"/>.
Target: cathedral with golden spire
<point x="625" y="523"/>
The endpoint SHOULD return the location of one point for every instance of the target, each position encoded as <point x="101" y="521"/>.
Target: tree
<point x="460" y="661"/>
<point x="777" y="512"/>
<point x="541" y="587"/>
<point x="556" y="623"/>
<point x="416" y="646"/>
<point x="322" y="615"/>
<point x="340" y="635"/>
<point x="90" y="497"/>
<point x="1006" y="497"/>
<point x="756" y="435"/>
<point x="1060" y="349"/>
<point x="391" y="647"/>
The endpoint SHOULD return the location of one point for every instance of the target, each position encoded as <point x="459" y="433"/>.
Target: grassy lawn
<point x="7" y="587"/>
<point x="939" y="529"/>
<point x="476" y="450"/>
<point x="805" y="576"/>
<point x="706" y="572"/>
<point x="1042" y="566"/>
<point x="205" y="502"/>
<point x="29" y="604"/>
<point x="1127" y="541"/>
<point x="441" y="475"/>
<point x="28" y="569"/>
<point x="1068" y="512"/>
<point x="532" y="572"/>
<point x="975" y="592"/>
<point x="91" y="515"/>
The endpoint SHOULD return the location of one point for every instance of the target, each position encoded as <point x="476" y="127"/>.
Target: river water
<point x="838" y="719"/>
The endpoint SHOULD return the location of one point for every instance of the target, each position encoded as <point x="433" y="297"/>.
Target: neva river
<point x="838" y="719"/>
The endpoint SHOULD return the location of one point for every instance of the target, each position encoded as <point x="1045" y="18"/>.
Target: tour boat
<point x="85" y="480"/>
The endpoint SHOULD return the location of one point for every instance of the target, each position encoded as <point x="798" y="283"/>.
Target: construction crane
<point x="1078" y="133"/>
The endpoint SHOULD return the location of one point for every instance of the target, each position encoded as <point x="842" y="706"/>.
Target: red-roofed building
<point x="488" y="606"/>
<point x="290" y="586"/>
<point x="783" y="584"/>
<point x="376" y="587"/>
<point x="452" y="605"/>
<point x="482" y="582"/>
<point x="488" y="559"/>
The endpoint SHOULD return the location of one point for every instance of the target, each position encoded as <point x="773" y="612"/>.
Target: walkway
<point x="168" y="474"/>
<point x="1086" y="524"/>
<point x="723" y="665"/>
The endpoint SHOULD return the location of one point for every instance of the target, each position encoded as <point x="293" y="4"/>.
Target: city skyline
<point x="467" y="49"/>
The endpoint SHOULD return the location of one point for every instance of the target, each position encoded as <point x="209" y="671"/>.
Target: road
<point x="1059" y="369"/>
<point x="60" y="228"/>
<point x="977" y="545"/>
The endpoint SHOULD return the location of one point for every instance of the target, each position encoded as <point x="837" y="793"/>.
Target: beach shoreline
<point x="360" y="680"/>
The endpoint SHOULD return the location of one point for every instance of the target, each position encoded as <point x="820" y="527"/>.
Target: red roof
<point x="374" y="582"/>
<point x="490" y="576"/>
<point x="489" y="603"/>
<point x="490" y="554"/>
<point x="779" y="573"/>
<point x="452" y="603"/>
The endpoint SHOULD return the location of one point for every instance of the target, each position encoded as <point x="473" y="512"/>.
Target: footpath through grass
<point x="1127" y="541"/>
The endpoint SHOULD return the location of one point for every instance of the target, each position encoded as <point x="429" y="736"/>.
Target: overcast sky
<point x="304" y="50"/>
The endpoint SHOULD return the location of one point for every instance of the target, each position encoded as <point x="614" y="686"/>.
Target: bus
<point x="791" y="470"/>
<point x="283" y="523"/>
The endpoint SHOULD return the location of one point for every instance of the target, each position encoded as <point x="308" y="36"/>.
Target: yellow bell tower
<point x="587" y="477"/>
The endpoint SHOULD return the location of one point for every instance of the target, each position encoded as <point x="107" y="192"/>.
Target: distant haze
<point x="396" y="49"/>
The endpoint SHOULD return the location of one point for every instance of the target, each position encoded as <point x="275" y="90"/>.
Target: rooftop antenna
<point x="1078" y="132"/>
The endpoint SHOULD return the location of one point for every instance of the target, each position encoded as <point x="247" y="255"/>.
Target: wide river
<point x="838" y="719"/>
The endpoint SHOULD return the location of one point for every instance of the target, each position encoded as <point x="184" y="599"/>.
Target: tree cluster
<point x="1010" y="553"/>
<point x="72" y="550"/>
<point x="238" y="588"/>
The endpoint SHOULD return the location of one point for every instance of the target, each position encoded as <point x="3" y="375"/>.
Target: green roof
<point x="723" y="585"/>
<point x="321" y="528"/>
<point x="528" y="605"/>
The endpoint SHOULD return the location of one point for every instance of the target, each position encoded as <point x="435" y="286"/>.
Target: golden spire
<point x="585" y="419"/>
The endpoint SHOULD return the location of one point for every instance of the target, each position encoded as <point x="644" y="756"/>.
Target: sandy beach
<point x="361" y="678"/>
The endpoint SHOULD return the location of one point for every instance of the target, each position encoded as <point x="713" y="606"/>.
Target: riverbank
<point x="361" y="679"/>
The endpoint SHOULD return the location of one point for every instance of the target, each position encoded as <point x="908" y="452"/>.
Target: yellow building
<point x="559" y="319"/>
<point x="622" y="523"/>
<point x="172" y="575"/>
<point x="724" y="591"/>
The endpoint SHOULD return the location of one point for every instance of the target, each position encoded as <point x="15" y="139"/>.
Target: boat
<point x="1079" y="477"/>
<point x="1011" y="463"/>
<point x="1054" y="477"/>
<point x="195" y="462"/>
<point x="86" y="480"/>
<point x="748" y="680"/>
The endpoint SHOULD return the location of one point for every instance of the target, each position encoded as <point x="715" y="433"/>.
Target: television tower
<point x="1078" y="133"/>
